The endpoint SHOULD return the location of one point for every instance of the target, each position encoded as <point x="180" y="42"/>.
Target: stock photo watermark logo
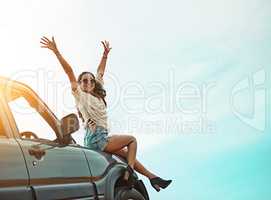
<point x="250" y="92"/>
<point x="166" y="106"/>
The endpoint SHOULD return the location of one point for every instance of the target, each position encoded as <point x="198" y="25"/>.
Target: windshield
<point x="30" y="116"/>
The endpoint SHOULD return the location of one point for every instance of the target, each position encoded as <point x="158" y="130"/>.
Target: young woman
<point x="89" y="96"/>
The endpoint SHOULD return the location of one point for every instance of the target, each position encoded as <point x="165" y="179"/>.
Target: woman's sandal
<point x="157" y="182"/>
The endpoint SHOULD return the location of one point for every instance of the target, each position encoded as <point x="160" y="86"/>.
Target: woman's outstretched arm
<point x="101" y="67"/>
<point x="51" y="44"/>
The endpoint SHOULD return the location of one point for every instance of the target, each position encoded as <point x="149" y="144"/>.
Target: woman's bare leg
<point x="118" y="142"/>
<point x="116" y="145"/>
<point x="138" y="166"/>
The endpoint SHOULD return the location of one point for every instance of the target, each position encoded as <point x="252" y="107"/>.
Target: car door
<point x="14" y="179"/>
<point x="56" y="171"/>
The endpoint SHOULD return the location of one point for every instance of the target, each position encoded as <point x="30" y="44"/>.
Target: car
<point x="39" y="159"/>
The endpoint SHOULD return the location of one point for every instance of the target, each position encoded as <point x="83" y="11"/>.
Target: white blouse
<point x="90" y="106"/>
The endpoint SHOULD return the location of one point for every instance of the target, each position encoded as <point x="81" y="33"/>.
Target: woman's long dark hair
<point x="98" y="91"/>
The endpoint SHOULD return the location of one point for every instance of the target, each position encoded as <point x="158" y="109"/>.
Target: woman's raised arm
<point x="101" y="67"/>
<point x="51" y="44"/>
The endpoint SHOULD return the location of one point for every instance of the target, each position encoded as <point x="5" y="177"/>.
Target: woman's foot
<point x="158" y="183"/>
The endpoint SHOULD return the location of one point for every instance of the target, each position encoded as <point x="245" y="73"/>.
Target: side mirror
<point x="69" y="124"/>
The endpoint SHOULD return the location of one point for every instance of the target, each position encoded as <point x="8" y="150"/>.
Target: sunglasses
<point x="86" y="81"/>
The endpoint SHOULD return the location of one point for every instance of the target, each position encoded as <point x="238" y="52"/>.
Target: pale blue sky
<point x="159" y="47"/>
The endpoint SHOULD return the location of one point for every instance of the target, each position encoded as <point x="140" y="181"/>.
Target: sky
<point x="189" y="79"/>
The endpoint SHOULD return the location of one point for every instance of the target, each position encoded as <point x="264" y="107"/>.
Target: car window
<point x="28" y="119"/>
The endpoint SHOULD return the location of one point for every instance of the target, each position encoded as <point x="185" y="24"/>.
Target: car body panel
<point x="98" y="162"/>
<point x="62" y="171"/>
<point x="14" y="180"/>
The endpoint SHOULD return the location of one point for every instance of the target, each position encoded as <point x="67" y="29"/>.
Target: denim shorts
<point x="97" y="140"/>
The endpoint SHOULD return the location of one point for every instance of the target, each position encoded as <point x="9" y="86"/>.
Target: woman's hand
<point x="49" y="44"/>
<point x="92" y="125"/>
<point x="107" y="47"/>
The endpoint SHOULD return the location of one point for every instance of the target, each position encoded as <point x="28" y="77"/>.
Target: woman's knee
<point x="123" y="139"/>
<point x="132" y="139"/>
